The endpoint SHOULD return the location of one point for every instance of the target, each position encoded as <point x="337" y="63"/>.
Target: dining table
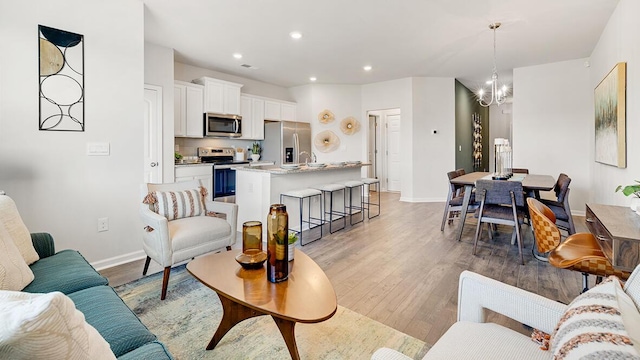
<point x="531" y="183"/>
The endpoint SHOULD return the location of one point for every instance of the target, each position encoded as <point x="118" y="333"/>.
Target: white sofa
<point x="472" y="338"/>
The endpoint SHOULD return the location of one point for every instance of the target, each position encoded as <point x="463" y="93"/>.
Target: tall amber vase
<point x="277" y="245"/>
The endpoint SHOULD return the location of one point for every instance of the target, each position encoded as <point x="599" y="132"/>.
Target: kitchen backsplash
<point x="188" y="146"/>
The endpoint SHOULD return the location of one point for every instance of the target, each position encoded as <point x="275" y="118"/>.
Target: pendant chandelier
<point x="498" y="95"/>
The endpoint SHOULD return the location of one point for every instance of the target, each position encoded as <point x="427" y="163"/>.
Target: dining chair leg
<point x="519" y="237"/>
<point x="445" y="216"/>
<point x="475" y="239"/>
<point x="165" y="282"/>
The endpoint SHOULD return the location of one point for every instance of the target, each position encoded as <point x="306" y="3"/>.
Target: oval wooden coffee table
<point x="306" y="297"/>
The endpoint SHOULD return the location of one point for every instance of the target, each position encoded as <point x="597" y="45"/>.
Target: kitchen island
<point x="260" y="186"/>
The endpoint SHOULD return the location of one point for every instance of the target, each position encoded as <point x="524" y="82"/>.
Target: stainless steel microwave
<point x="222" y="125"/>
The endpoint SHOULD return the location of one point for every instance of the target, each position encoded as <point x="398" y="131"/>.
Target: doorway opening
<point x="383" y="149"/>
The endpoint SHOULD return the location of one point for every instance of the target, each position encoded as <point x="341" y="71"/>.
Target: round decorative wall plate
<point x="349" y="125"/>
<point x="326" y="116"/>
<point x="326" y="141"/>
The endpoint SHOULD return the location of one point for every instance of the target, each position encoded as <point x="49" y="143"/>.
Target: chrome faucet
<point x="314" y="158"/>
<point x="308" y="156"/>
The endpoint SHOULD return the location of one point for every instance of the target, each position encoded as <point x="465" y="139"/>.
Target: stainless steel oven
<point x="221" y="125"/>
<point x="224" y="175"/>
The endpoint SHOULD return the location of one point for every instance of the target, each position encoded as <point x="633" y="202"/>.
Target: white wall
<point x="433" y="109"/>
<point x="186" y="72"/>
<point x="553" y="122"/>
<point x="500" y="127"/>
<point x="619" y="42"/>
<point x="158" y="70"/>
<point x="343" y="101"/>
<point x="57" y="187"/>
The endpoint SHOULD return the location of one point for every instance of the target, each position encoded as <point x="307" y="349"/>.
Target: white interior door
<point x="152" y="134"/>
<point x="393" y="152"/>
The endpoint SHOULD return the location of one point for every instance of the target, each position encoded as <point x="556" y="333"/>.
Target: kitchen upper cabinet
<point x="188" y="109"/>
<point x="222" y="97"/>
<point x="279" y="110"/>
<point x="252" y="111"/>
<point x="288" y="112"/>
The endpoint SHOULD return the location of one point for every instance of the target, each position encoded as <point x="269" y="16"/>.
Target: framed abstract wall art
<point x="61" y="56"/>
<point x="610" y="117"/>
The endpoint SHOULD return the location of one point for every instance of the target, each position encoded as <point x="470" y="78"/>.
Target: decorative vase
<point x="635" y="203"/>
<point x="277" y="243"/>
<point x="252" y="256"/>
<point x="255" y="157"/>
<point x="292" y="249"/>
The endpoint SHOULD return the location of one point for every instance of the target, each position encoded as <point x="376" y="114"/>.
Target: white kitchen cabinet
<point x="252" y="111"/>
<point x="272" y="110"/>
<point x="288" y="112"/>
<point x="279" y="110"/>
<point x="188" y="109"/>
<point x="202" y="172"/>
<point x="222" y="97"/>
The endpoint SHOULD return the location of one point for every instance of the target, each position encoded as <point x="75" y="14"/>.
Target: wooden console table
<point x="618" y="230"/>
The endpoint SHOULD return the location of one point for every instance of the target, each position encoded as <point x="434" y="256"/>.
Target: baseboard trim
<point x="119" y="260"/>
<point x="422" y="200"/>
<point x="578" y="213"/>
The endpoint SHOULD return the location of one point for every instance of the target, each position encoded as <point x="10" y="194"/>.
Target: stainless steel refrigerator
<point x="287" y="142"/>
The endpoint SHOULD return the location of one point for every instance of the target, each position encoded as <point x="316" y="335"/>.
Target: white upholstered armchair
<point x="179" y="224"/>
<point x="471" y="337"/>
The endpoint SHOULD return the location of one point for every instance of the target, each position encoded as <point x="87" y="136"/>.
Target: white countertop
<point x="194" y="164"/>
<point x="303" y="169"/>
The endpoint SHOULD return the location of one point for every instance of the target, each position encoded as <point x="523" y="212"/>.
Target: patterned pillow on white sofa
<point x="14" y="272"/>
<point x="602" y="323"/>
<point x="10" y="219"/>
<point x="47" y="326"/>
<point x="177" y="204"/>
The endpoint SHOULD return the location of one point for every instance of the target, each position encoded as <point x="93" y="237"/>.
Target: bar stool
<point x="350" y="186"/>
<point x="330" y="189"/>
<point x="301" y="195"/>
<point x="367" y="204"/>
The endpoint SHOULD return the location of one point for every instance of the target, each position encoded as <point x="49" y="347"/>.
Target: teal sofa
<point x="68" y="272"/>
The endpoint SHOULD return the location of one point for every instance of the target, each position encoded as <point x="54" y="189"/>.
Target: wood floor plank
<point x="401" y="270"/>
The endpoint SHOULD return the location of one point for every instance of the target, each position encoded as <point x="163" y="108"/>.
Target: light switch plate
<point x="98" y="149"/>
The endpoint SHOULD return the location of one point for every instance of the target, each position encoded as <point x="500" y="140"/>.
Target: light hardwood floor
<point x="401" y="270"/>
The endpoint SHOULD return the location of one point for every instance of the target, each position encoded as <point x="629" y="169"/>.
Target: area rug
<point x="186" y="320"/>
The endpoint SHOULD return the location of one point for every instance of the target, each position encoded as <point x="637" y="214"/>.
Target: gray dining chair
<point x="453" y="205"/>
<point x="560" y="206"/>
<point x="502" y="203"/>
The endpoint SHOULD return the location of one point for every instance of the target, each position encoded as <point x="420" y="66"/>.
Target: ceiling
<point x="402" y="38"/>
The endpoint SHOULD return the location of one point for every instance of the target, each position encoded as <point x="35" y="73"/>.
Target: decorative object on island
<point x="632" y="190"/>
<point x="327" y="141"/>
<point x="498" y="93"/>
<point x="326" y="116"/>
<point x="293" y="239"/>
<point x="349" y="125"/>
<point x="252" y="256"/>
<point x="477" y="141"/>
<point x="610" y="117"/>
<point x="277" y="247"/>
<point x="61" y="87"/>
<point x="255" y="151"/>
<point x="502" y="159"/>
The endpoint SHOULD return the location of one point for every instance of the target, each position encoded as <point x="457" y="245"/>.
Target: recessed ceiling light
<point x="367" y="68"/>
<point x="295" y="35"/>
<point x="237" y="56"/>
<point x="313" y="78"/>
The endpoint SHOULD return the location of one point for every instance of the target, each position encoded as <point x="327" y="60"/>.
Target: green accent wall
<point x="466" y="106"/>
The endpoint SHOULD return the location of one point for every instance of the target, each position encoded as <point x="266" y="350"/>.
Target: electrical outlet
<point x="103" y="224"/>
